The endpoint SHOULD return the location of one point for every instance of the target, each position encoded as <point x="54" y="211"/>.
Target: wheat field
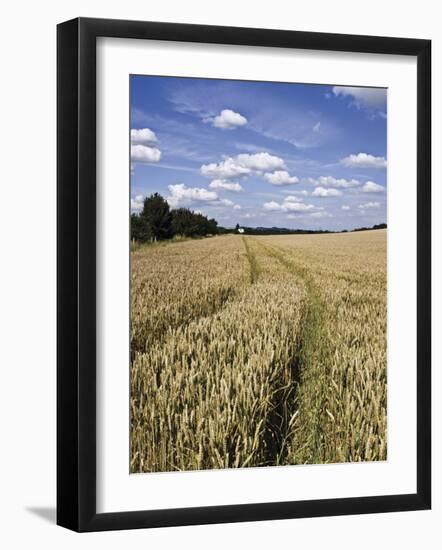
<point x="258" y="351"/>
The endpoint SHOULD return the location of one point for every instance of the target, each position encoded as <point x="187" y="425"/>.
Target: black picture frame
<point x="76" y="274"/>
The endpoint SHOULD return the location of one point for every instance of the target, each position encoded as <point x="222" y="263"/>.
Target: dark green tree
<point x="212" y="226"/>
<point x="157" y="221"/>
<point x="138" y="229"/>
<point x="183" y="223"/>
<point x="191" y="224"/>
<point x="157" y="217"/>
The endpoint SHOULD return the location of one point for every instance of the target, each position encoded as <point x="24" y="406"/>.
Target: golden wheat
<point x="258" y="351"/>
<point x="174" y="283"/>
<point x="342" y="395"/>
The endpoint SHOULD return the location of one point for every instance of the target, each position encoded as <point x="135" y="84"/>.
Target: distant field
<point x="256" y="351"/>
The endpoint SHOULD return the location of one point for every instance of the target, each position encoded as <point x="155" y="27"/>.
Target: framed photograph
<point x="243" y="274"/>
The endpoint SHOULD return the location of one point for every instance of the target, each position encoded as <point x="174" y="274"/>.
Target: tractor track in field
<point x="310" y="349"/>
<point x="253" y="264"/>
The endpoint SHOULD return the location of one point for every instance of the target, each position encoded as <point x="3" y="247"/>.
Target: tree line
<point x="376" y="226"/>
<point x="286" y="231"/>
<point x="157" y="221"/>
<point x="279" y="231"/>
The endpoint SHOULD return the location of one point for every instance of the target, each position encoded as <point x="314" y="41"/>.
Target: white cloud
<point x="292" y="198"/>
<point x="227" y="185"/>
<point x="228" y="120"/>
<point x="226" y="202"/>
<point x="260" y="161"/>
<point x="345" y="207"/>
<point x="364" y="160"/>
<point x="143" y="135"/>
<point x="241" y="165"/>
<point x="330" y="181"/>
<point x="341" y="183"/>
<point x="237" y="207"/>
<point x="181" y="195"/>
<point x="317" y="127"/>
<point x="370" y="205"/>
<point x="373" y="98"/>
<point x="288" y="206"/>
<point x="136" y="203"/>
<point x="372" y="187"/>
<point x="321" y="215"/>
<point x="281" y="177"/>
<point x="228" y="168"/>
<point x="323" y="192"/>
<point x="142" y="153"/>
<point x="272" y="205"/>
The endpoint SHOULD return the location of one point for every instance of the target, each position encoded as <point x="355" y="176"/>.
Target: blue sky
<point x="261" y="153"/>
